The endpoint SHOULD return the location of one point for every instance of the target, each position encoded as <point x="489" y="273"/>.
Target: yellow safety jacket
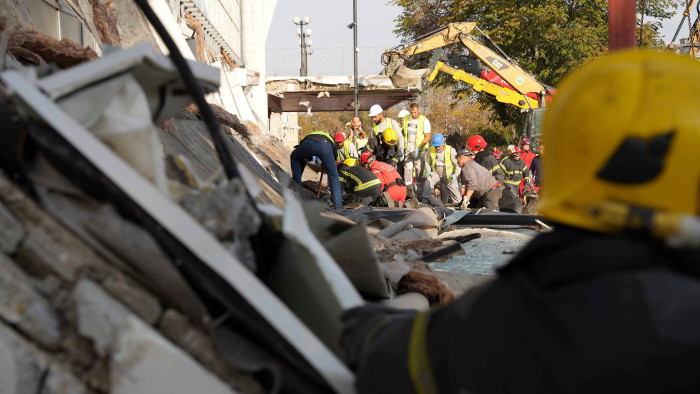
<point x="419" y="132"/>
<point x="449" y="166"/>
<point x="389" y="123"/>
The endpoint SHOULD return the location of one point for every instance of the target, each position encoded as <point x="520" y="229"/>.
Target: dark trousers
<point x="324" y="151"/>
<point x="374" y="192"/>
<point x="490" y="199"/>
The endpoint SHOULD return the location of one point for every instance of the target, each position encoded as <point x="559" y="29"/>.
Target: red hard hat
<point x="339" y="137"/>
<point x="366" y="157"/>
<point x="476" y="142"/>
<point x="517" y="151"/>
<point x="525" y="141"/>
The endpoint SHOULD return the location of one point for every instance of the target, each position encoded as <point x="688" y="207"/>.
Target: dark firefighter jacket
<point x="515" y="171"/>
<point x="574" y="311"/>
<point x="488" y="161"/>
<point x="382" y="151"/>
<point x="356" y="179"/>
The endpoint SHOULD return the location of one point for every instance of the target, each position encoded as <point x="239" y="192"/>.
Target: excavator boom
<point x="452" y="33"/>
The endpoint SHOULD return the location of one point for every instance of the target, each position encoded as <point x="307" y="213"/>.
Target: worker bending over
<point x="443" y="175"/>
<point x="483" y="157"/>
<point x="321" y="145"/>
<point x="392" y="183"/>
<point x="480" y="189"/>
<point x="385" y="147"/>
<point x="607" y="302"/>
<point x="360" y="184"/>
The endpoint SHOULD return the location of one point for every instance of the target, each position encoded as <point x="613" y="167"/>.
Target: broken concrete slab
<point x="11" y="231"/>
<point x="22" y="306"/>
<point x="144" y="362"/>
<point x="25" y="369"/>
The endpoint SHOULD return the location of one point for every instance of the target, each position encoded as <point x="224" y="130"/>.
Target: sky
<point x="329" y="20"/>
<point x="333" y="41"/>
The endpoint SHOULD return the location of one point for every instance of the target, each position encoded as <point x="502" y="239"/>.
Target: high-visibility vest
<point x="323" y="133"/>
<point x="389" y="123"/>
<point x="419" y="131"/>
<point x="449" y="167"/>
<point x="346" y="150"/>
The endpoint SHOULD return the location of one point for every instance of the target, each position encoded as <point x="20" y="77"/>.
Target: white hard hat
<point x="403" y="113"/>
<point x="375" y="110"/>
<point x="510" y="148"/>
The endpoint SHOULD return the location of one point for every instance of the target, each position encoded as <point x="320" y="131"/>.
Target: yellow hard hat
<point x="350" y="162"/>
<point x="390" y="136"/>
<point x="623" y="130"/>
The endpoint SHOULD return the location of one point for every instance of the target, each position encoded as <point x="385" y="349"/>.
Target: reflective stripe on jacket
<point x="515" y="171"/>
<point x="357" y="178"/>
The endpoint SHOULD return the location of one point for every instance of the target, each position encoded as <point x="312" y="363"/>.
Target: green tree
<point x="649" y="31"/>
<point x="547" y="38"/>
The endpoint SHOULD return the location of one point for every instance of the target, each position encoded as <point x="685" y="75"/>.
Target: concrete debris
<point x="11" y="231"/>
<point x="199" y="35"/>
<point x="64" y="53"/>
<point x="105" y="18"/>
<point x="225" y="118"/>
<point x="22" y="306"/>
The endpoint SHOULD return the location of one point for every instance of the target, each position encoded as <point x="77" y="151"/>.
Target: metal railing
<point x="286" y="62"/>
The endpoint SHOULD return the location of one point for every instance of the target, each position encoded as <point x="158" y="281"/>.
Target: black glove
<point x="362" y="324"/>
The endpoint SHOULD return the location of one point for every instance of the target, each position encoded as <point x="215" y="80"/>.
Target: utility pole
<point x="302" y="43"/>
<point x="355" y="53"/>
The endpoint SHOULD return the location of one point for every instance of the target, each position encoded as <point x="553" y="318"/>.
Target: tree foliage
<point x="547" y="38"/>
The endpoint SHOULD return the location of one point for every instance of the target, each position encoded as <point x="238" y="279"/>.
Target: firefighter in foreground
<point x="607" y="302"/>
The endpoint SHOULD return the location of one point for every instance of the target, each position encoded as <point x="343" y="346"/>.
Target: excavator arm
<point x="500" y="93"/>
<point x="460" y="32"/>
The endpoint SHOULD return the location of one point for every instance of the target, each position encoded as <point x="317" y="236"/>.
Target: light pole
<point x="353" y="26"/>
<point x="302" y="42"/>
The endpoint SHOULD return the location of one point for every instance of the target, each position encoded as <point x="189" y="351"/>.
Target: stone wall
<point x="72" y="323"/>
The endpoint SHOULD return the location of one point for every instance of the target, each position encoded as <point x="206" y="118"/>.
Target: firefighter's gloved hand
<point x="363" y="324"/>
<point x="464" y="205"/>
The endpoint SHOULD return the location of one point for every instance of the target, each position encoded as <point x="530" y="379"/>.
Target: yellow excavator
<point x="493" y="73"/>
<point x="691" y="45"/>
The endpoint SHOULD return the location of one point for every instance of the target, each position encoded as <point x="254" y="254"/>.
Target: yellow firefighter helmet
<point x="390" y="136"/>
<point x="622" y="138"/>
<point x="350" y="162"/>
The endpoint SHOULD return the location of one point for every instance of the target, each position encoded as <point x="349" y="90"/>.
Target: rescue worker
<point x="346" y="150"/>
<point x="319" y="144"/>
<point x="385" y="147"/>
<point x="515" y="171"/>
<point x="360" y="184"/>
<point x="480" y="188"/>
<point x="526" y="154"/>
<point x="536" y="168"/>
<point x="392" y="183"/>
<point x="381" y="123"/>
<point x="416" y="141"/>
<point x="442" y="162"/>
<point x="357" y="134"/>
<point x="603" y="303"/>
<point x="477" y="144"/>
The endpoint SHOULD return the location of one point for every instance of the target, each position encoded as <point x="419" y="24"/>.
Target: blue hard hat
<point x="438" y="139"/>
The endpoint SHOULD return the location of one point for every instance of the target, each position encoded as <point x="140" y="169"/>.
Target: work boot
<point x="389" y="200"/>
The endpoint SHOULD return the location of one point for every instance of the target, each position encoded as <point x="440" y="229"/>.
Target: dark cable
<point x="194" y="90"/>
